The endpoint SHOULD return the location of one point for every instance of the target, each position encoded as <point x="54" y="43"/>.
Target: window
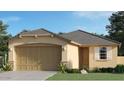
<point x="103" y="53"/>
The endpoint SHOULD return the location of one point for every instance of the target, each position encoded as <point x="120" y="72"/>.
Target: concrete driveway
<point x="26" y="75"/>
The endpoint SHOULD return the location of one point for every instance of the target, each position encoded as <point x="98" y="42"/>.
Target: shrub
<point x="119" y="69"/>
<point x="95" y="70"/>
<point x="6" y="67"/>
<point x="72" y="70"/>
<point x="104" y="70"/>
<point x="110" y="70"/>
<point x="69" y="70"/>
<point x="107" y="70"/>
<point x="76" y="71"/>
<point x="62" y="67"/>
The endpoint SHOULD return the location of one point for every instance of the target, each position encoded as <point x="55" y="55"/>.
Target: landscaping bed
<point x="116" y="73"/>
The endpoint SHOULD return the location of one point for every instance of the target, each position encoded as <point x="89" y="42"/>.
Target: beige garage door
<point x="38" y="57"/>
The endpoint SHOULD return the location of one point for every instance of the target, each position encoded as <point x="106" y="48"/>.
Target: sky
<point x="56" y="21"/>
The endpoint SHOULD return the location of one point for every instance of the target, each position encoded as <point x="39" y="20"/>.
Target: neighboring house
<point x="43" y="50"/>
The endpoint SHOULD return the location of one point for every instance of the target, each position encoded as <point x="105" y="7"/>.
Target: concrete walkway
<point x="26" y="75"/>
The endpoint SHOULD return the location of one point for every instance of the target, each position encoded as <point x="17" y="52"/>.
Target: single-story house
<point x="41" y="49"/>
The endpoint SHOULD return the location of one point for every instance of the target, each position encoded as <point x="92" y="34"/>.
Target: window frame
<point x="103" y="53"/>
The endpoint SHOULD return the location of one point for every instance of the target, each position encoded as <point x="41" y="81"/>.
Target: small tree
<point x="4" y="37"/>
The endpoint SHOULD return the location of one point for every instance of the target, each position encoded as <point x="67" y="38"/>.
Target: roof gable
<point x="35" y="32"/>
<point x="39" y="32"/>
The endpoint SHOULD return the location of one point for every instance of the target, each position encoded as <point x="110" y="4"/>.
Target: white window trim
<point x="97" y="54"/>
<point x="109" y="53"/>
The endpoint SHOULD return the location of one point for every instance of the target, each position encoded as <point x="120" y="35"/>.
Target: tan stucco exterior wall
<point x="93" y="63"/>
<point x="72" y="56"/>
<point x="70" y="52"/>
<point x="24" y="40"/>
<point x="120" y="60"/>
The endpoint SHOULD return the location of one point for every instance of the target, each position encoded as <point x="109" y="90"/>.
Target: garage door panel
<point x="38" y="58"/>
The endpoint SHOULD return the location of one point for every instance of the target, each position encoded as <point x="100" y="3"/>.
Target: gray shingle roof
<point x="78" y="36"/>
<point x="35" y="32"/>
<point x="85" y="38"/>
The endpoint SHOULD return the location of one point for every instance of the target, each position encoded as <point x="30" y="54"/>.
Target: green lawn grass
<point x="89" y="76"/>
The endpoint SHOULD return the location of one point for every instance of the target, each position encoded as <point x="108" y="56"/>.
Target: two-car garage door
<point x="38" y="57"/>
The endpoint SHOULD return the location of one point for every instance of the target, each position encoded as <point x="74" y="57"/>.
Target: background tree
<point x="4" y="37"/>
<point x="116" y="29"/>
